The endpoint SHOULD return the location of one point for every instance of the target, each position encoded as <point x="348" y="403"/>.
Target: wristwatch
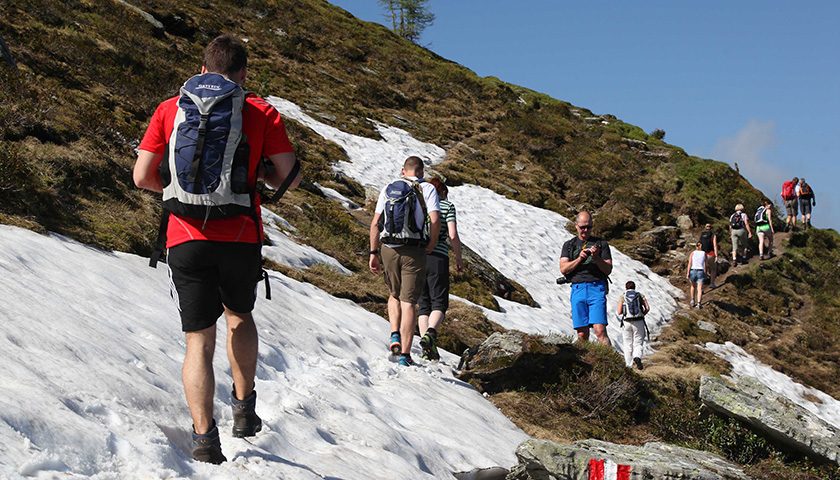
<point x="374" y="252"/>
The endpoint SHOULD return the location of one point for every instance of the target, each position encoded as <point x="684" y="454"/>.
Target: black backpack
<point x="736" y="221"/>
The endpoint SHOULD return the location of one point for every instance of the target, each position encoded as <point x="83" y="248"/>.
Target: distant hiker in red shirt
<point x="791" y="202"/>
<point x="208" y="143"/>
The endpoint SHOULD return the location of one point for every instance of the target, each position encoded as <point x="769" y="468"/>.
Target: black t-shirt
<point x="587" y="271"/>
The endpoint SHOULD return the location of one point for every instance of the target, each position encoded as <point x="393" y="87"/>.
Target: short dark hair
<point x="440" y="187"/>
<point x="631" y="285"/>
<point x="413" y="163"/>
<point x="226" y="55"/>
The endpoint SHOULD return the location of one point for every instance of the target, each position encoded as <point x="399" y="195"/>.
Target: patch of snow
<point x="372" y="162"/>
<point x="521" y="241"/>
<point x="91" y="349"/>
<point x="334" y="195"/>
<point x="743" y="364"/>
<point x="286" y="251"/>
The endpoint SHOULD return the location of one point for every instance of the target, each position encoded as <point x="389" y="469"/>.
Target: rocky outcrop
<point x="544" y="460"/>
<point x="500" y="285"/>
<point x="509" y="360"/>
<point x="492" y="473"/>
<point x="662" y="238"/>
<point x="776" y="417"/>
<point x="154" y="22"/>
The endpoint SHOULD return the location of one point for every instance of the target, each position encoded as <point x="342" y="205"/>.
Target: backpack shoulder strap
<point x="418" y="190"/>
<point x="281" y="190"/>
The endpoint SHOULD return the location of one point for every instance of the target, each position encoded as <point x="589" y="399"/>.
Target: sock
<point x="432" y="333"/>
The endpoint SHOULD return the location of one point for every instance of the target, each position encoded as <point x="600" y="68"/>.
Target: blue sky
<point x="752" y="82"/>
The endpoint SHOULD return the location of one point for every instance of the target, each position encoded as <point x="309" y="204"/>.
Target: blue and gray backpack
<point x="398" y="224"/>
<point x="205" y="167"/>
<point x="633" y="306"/>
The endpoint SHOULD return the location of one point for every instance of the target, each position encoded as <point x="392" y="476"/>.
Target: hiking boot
<point x="395" y="346"/>
<point x="206" y="447"/>
<point x="246" y="422"/>
<point x="692" y="303"/>
<point x="637" y="362"/>
<point x="406" y="361"/>
<point x="429" y="345"/>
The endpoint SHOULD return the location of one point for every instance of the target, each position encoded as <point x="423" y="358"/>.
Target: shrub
<point x="658" y="134"/>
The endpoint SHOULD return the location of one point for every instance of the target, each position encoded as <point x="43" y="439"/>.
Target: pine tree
<point x="408" y="17"/>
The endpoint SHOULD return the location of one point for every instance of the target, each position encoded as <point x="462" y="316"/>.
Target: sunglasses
<point x="584" y="227"/>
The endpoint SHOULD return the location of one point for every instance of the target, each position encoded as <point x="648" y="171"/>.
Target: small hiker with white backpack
<point x="764" y="229"/>
<point x="632" y="308"/>
<point x="399" y="236"/>
<point x="807" y="200"/>
<point x="203" y="150"/>
<point x="740" y="233"/>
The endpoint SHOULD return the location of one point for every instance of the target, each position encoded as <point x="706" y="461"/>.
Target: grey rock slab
<point x="773" y="415"/>
<point x="545" y="460"/>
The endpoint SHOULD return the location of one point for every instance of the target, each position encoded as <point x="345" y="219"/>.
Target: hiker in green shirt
<point x="764" y="229"/>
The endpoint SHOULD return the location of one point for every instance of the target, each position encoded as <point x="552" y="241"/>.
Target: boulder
<point x="772" y="415"/>
<point x="662" y="238"/>
<point x="545" y="460"/>
<point x="684" y="223"/>
<point x="707" y="326"/>
<point x="510" y="360"/>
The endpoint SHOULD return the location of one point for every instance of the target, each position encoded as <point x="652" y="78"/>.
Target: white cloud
<point x="747" y="148"/>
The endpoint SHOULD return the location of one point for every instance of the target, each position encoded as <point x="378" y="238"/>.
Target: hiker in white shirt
<point x="696" y="273"/>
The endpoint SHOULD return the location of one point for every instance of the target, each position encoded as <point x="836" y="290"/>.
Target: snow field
<point x="521" y="241"/>
<point x="92" y="352"/>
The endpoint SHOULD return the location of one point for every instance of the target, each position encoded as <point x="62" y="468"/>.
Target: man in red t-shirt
<point x="215" y="264"/>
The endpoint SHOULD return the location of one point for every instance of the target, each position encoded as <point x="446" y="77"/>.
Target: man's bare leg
<point x="601" y="333"/>
<point x="409" y="318"/>
<point x="197" y="375"/>
<point x="436" y="318"/>
<point x="583" y="334"/>
<point x="423" y="323"/>
<point x="394" y="313"/>
<point x="242" y="348"/>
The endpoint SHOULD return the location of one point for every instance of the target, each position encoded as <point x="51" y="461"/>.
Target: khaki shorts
<point x="405" y="272"/>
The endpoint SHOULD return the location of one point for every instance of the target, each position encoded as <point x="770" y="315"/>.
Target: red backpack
<point x="787" y="191"/>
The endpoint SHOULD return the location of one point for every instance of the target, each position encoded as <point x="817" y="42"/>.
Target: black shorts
<point x="435" y="294"/>
<point x="208" y="276"/>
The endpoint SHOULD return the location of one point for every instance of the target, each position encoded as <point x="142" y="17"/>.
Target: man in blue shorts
<point x="586" y="262"/>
